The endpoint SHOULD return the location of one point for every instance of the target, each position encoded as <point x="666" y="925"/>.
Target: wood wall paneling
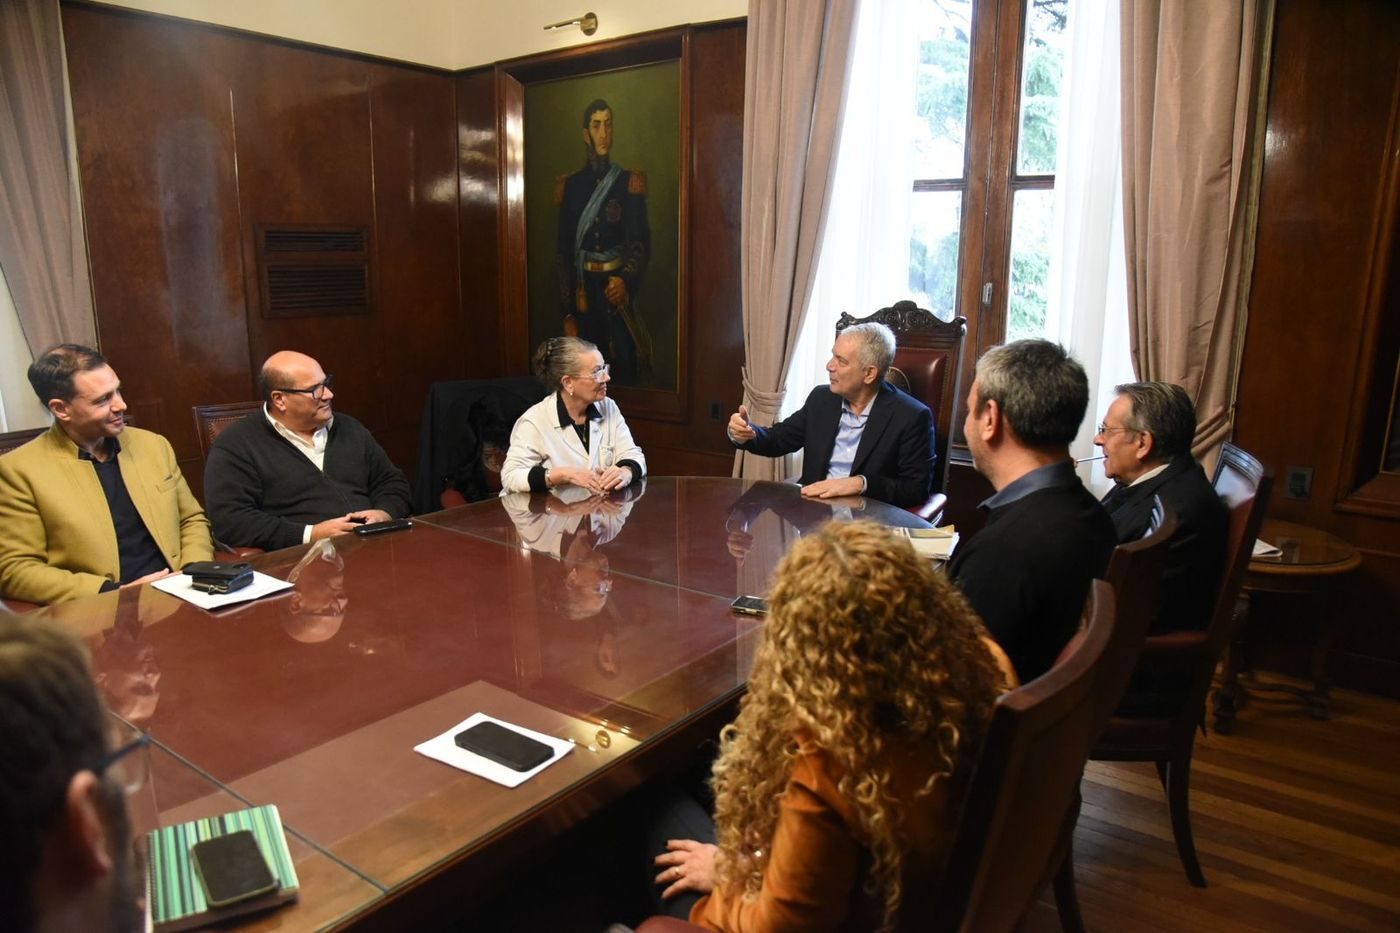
<point x="189" y="138"/>
<point x="305" y="156"/>
<point x="478" y="194"/>
<point x="421" y="334"/>
<point x="156" y="165"/>
<point x="1332" y="90"/>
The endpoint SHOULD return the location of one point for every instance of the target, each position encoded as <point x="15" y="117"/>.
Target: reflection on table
<point x="605" y="622"/>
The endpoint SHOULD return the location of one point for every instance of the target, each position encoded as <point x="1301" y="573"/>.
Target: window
<point x="978" y="173"/>
<point x="984" y="161"/>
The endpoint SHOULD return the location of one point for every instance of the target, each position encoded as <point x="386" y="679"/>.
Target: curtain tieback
<point x="763" y="406"/>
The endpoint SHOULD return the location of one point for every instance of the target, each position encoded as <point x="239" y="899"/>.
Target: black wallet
<point x="212" y="576"/>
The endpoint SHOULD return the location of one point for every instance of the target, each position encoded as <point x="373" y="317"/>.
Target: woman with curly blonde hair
<point x="834" y="787"/>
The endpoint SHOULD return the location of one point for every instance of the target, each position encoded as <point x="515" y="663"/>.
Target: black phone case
<point x="232" y="868"/>
<point x="379" y="528"/>
<point x="503" y="746"/>
<point x="750" y="605"/>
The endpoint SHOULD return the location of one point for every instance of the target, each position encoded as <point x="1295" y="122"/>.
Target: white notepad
<point x="179" y="584"/>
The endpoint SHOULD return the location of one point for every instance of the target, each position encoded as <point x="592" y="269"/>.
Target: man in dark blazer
<point x="1027" y="572"/>
<point x="1146" y="440"/>
<point x="859" y="435"/>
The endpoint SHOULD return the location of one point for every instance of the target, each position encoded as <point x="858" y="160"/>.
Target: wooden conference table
<point x="605" y="623"/>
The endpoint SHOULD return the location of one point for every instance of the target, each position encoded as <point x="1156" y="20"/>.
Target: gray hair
<point x="1042" y="390"/>
<point x="874" y="346"/>
<point x="1164" y="410"/>
<point x="558" y="357"/>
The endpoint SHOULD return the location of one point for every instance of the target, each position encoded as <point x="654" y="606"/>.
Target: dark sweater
<point x="1027" y="572"/>
<point x="263" y="492"/>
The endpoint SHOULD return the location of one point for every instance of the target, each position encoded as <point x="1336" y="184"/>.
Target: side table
<point x="1312" y="560"/>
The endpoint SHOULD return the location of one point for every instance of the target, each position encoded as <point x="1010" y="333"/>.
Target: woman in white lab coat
<point x="575" y="436"/>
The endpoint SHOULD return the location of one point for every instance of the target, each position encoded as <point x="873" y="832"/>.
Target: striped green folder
<point x="176" y="896"/>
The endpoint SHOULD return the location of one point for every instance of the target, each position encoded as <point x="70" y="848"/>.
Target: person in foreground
<point x="1027" y="572"/>
<point x="296" y="471"/>
<point x="835" y="787"/>
<point x="91" y="504"/>
<point x="575" y="435"/>
<point x="67" y="862"/>
<point x="1146" y="440"/>
<point x="859" y="435"/>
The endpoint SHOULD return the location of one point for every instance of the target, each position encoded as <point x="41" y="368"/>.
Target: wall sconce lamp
<point x="588" y="22"/>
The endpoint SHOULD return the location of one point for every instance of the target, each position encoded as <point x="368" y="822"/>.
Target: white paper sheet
<point x="178" y="584"/>
<point x="933" y="543"/>
<point x="443" y="748"/>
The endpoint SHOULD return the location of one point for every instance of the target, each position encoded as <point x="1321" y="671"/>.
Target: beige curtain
<point x="795" y="79"/>
<point x="41" y="230"/>
<point x="1193" y="86"/>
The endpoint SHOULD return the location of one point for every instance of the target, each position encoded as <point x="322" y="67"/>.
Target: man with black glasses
<point x="66" y="862"/>
<point x="296" y="471"/>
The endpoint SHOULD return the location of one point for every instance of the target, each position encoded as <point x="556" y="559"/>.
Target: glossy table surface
<point x="1306" y="551"/>
<point x="604" y="622"/>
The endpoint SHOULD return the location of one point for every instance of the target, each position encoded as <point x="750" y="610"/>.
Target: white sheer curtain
<point x="19" y="409"/>
<point x="864" y="259"/>
<point x="864" y="255"/>
<point x="1088" y="288"/>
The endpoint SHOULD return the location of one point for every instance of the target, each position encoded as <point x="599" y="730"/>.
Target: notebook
<point x="175" y="897"/>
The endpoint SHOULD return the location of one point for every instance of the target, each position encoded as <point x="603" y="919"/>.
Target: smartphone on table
<point x="232" y="868"/>
<point x="750" y="605"/>
<point x="503" y="746"/>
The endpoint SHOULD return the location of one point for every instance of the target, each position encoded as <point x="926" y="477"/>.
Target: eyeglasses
<point x="1105" y="429"/>
<point x="597" y="374"/>
<point x="318" y="391"/>
<point x="130" y="764"/>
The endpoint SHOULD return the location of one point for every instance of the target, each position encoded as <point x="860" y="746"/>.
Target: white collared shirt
<point x="315" y="450"/>
<point x="1150" y="473"/>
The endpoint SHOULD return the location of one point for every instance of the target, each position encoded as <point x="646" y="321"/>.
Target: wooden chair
<point x="1024" y="791"/>
<point x="1168" y="739"/>
<point x="12" y="439"/>
<point x="1135" y="574"/>
<point x="927" y="360"/>
<point x="209" y="422"/>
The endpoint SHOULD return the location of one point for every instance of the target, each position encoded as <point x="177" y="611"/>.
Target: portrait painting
<point x="602" y="173"/>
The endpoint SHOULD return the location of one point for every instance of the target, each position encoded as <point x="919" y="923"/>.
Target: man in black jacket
<point x="1146" y="439"/>
<point x="1027" y="572"/>
<point x="859" y="435"/>
<point x="295" y="471"/>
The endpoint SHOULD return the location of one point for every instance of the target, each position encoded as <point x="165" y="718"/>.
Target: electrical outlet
<point x="1298" y="483"/>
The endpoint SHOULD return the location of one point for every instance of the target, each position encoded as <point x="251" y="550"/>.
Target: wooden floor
<point x="1297" y="825"/>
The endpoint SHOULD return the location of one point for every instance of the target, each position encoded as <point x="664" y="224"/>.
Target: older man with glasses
<point x="67" y="766"/>
<point x="297" y="471"/>
<point x="1146" y="439"/>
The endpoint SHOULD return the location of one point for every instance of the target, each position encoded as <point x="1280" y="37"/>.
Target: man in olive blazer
<point x="91" y="505"/>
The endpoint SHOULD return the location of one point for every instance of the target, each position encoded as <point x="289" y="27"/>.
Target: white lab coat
<point x="538" y="440"/>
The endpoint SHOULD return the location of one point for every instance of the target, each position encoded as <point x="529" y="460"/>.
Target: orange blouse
<point x="818" y="865"/>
